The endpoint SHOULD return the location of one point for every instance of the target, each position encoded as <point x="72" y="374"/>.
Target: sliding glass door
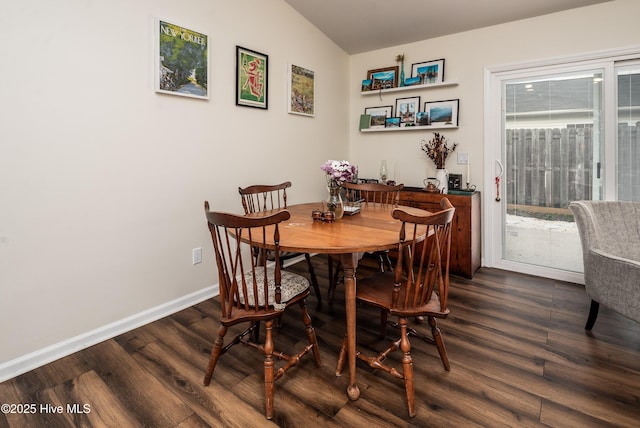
<point x="552" y="140"/>
<point x="628" y="131"/>
<point x="554" y="134"/>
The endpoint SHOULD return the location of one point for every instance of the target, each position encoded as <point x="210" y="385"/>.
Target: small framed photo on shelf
<point x="406" y="109"/>
<point x="252" y="76"/>
<point x="422" y="118"/>
<point x="383" y="78"/>
<point x="379" y="116"/>
<point x="429" y="72"/>
<point x="366" y="85"/>
<point x="443" y="113"/>
<point x="410" y="81"/>
<point x="392" y="122"/>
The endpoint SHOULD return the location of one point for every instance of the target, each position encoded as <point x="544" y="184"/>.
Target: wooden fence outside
<point x="552" y="167"/>
<point x="549" y="167"/>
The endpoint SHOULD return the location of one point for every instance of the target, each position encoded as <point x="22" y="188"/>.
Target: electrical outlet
<point x="197" y="255"/>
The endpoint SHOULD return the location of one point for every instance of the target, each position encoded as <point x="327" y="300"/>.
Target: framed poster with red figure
<point x="252" y="74"/>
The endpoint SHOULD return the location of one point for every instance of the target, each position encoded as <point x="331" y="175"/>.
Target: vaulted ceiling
<point x="365" y="25"/>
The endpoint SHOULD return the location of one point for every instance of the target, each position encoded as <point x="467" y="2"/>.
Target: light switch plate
<point x="197" y="255"/>
<point x="463" y="158"/>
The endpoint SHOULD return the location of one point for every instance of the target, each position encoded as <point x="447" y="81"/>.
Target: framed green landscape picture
<point x="252" y="73"/>
<point x="301" y="91"/>
<point x="182" y="61"/>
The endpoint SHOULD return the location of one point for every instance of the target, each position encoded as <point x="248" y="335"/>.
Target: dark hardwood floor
<point x="518" y="351"/>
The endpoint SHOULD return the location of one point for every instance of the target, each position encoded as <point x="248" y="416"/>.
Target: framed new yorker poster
<point x="182" y="61"/>
<point x="301" y="91"/>
<point x="252" y="76"/>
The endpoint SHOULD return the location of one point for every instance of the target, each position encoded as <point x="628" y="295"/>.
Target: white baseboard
<point x="25" y="363"/>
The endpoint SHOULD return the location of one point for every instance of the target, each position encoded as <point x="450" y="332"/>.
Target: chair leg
<point x="342" y="356"/>
<point x="437" y="337"/>
<point x="334" y="278"/>
<point x="331" y="285"/>
<point x="387" y="261"/>
<point x="268" y="369"/>
<point x="314" y="279"/>
<point x="215" y="354"/>
<point x="407" y="367"/>
<point x="255" y="333"/>
<point x="278" y="322"/>
<point x="593" y="314"/>
<point x="311" y="333"/>
<point x="383" y="323"/>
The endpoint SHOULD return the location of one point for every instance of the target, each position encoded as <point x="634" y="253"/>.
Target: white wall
<point x="102" y="181"/>
<point x="605" y="26"/>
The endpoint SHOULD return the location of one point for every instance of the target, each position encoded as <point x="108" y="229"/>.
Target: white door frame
<point x="493" y="211"/>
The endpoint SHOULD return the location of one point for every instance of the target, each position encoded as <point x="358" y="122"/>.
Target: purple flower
<point x="339" y="171"/>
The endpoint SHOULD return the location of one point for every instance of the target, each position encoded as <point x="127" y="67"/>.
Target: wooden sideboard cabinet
<point x="465" y="233"/>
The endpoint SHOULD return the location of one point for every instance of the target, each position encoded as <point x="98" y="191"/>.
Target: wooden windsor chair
<point x="367" y="193"/>
<point x="250" y="293"/>
<point x="419" y="286"/>
<point x="263" y="197"/>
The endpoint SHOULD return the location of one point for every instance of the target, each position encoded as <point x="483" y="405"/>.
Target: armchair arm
<point x="634" y="264"/>
<point x="614" y="282"/>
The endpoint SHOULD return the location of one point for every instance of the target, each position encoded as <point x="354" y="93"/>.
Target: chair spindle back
<point x="373" y="192"/>
<point x="261" y="197"/>
<point x="239" y="275"/>
<point x="423" y="269"/>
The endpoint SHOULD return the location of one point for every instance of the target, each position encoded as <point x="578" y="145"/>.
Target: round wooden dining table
<point x="372" y="229"/>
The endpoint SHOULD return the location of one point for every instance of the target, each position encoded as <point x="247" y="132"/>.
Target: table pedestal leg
<point x="349" y="263"/>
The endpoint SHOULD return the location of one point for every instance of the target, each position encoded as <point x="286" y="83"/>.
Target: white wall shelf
<point x="448" y="83"/>
<point x="409" y="128"/>
<point x="411" y="88"/>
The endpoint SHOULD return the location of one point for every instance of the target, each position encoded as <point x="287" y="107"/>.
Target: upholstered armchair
<point x="610" y="236"/>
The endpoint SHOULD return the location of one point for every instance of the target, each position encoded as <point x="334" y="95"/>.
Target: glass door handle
<point x="499" y="168"/>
